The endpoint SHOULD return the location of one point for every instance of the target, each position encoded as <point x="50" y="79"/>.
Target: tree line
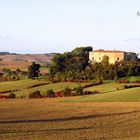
<point x="75" y="65"/>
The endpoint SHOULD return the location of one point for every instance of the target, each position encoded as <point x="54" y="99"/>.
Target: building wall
<point x="97" y="56"/>
<point x="113" y="56"/>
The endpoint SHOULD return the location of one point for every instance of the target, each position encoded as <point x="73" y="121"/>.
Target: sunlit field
<point x="13" y="65"/>
<point x="55" y="120"/>
<point x="24" y="87"/>
<point x="114" y="113"/>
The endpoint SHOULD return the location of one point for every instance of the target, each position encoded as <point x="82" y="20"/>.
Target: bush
<point x="67" y="91"/>
<point x="91" y="92"/>
<point x="4" y="97"/>
<point x="123" y="81"/>
<point x="130" y="86"/>
<point x="35" y="94"/>
<point x="136" y="81"/>
<point x="79" y="91"/>
<point x="12" y="96"/>
<point x="50" y="93"/>
<point x="124" y="86"/>
<point x="59" y="94"/>
<point x="37" y="85"/>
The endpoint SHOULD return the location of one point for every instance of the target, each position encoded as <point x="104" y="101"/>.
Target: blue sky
<point x="42" y="26"/>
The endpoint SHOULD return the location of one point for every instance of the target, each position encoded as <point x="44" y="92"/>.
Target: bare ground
<point x="53" y="120"/>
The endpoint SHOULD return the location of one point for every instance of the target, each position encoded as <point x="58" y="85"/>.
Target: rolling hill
<point x="26" y="57"/>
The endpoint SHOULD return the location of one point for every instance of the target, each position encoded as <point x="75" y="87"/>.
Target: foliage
<point x="71" y="64"/>
<point x="33" y="70"/>
<point x="50" y="93"/>
<point x="79" y="90"/>
<point x="67" y="91"/>
<point x="12" y="96"/>
<point x="9" y="75"/>
<point x="35" y="94"/>
<point x="75" y="65"/>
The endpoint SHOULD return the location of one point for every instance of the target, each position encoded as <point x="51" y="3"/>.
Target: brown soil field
<point x="14" y="65"/>
<point x="26" y="57"/>
<point x="52" y="119"/>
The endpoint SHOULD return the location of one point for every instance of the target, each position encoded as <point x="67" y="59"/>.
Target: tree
<point x="33" y="70"/>
<point x="88" y="72"/>
<point x="72" y="64"/>
<point x="50" y="93"/>
<point x="67" y="91"/>
<point x="79" y="90"/>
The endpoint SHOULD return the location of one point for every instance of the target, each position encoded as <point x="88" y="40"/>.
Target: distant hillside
<point x="26" y="57"/>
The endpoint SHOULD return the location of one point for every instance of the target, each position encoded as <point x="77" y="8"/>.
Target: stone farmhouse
<point x="113" y="56"/>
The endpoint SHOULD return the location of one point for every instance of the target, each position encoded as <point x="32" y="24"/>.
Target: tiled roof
<point x="108" y="51"/>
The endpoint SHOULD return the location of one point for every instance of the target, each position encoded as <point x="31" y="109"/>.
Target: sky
<point x="44" y="26"/>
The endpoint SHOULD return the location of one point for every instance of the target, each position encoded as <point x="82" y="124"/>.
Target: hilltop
<point x="12" y="57"/>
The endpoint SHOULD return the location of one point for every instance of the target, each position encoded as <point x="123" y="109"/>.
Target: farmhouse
<point x="113" y="56"/>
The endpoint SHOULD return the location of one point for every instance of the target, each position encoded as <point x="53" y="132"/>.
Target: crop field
<point x="114" y="113"/>
<point x="13" y="65"/>
<point x="53" y="119"/>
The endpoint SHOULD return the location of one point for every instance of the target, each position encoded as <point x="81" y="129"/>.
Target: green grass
<point x="106" y="87"/>
<point x="124" y="95"/>
<point x="43" y="89"/>
<point x="22" y="85"/>
<point x="110" y="91"/>
<point x="132" y="78"/>
<point x="19" y="85"/>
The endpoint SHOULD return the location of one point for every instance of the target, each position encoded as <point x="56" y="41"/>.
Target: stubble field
<point x="54" y="119"/>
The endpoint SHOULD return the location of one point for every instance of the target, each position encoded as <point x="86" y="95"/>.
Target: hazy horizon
<point x="51" y="26"/>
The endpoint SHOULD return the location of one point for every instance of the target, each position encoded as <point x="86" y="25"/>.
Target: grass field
<point x="54" y="120"/>
<point x="109" y="91"/>
<point x="21" y="86"/>
<point x="124" y="95"/>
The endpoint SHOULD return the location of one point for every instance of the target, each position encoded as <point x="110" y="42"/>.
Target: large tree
<point x="72" y="64"/>
<point x="33" y="70"/>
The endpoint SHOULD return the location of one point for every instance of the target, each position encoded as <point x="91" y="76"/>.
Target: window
<point x="92" y="58"/>
<point x="118" y="58"/>
<point x="99" y="58"/>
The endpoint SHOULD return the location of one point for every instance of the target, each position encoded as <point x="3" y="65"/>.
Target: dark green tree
<point x="33" y="70"/>
<point x="72" y="64"/>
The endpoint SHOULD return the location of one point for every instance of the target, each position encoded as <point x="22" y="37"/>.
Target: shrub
<point x="123" y="81"/>
<point x="91" y="92"/>
<point x="50" y="93"/>
<point x="59" y="94"/>
<point x="37" y="85"/>
<point x="67" y="91"/>
<point x="4" y="97"/>
<point x="35" y="94"/>
<point x="79" y="91"/>
<point x="125" y="86"/>
<point x="136" y="81"/>
<point x="130" y="86"/>
<point x="12" y="96"/>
